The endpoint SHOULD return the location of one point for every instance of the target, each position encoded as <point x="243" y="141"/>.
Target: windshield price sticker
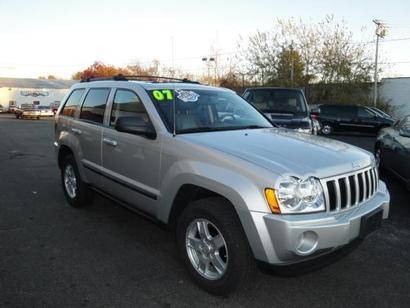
<point x="187" y="96"/>
<point x="168" y="95"/>
<point x="161" y="95"/>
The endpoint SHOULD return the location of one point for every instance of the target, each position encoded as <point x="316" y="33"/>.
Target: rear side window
<point x="127" y="104"/>
<point x="72" y="102"/>
<point x="94" y="105"/>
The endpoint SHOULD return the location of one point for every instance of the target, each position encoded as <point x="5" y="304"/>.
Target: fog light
<point x="307" y="242"/>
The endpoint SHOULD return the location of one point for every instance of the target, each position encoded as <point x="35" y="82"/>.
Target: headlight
<point x="300" y="196"/>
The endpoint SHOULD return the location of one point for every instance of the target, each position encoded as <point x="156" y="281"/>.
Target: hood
<point x="286" y="152"/>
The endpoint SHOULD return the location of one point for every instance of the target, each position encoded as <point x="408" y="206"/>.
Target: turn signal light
<point x="272" y="201"/>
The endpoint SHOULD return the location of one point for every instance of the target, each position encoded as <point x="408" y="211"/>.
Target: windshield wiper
<point x="213" y="129"/>
<point x="254" y="127"/>
<point x="199" y="129"/>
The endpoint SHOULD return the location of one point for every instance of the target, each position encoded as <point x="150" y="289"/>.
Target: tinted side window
<point x="328" y="110"/>
<point x="248" y="96"/>
<point x="339" y="111"/>
<point x="127" y="104"/>
<point x="94" y="105"/>
<point x="348" y="111"/>
<point x="364" y="113"/>
<point x="72" y="102"/>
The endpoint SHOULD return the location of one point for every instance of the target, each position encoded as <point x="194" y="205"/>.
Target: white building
<point x="396" y="91"/>
<point x="17" y="91"/>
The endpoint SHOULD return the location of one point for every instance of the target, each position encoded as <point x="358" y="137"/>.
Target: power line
<point x="13" y="65"/>
<point x="180" y="59"/>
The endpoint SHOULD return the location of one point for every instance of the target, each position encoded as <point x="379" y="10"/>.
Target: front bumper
<point x="288" y="239"/>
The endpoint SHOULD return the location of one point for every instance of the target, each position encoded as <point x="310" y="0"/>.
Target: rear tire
<point x="327" y="129"/>
<point x="229" y="263"/>
<point x="76" y="192"/>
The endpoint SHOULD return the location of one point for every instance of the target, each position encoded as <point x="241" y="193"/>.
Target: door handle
<point x="110" y="142"/>
<point x="76" y="131"/>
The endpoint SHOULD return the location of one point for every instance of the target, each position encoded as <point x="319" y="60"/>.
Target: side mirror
<point x="136" y="126"/>
<point x="404" y="133"/>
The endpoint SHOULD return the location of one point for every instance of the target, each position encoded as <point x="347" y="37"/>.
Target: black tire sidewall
<point x="240" y="259"/>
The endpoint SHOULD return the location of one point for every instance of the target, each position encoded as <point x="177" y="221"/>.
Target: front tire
<point x="76" y="192"/>
<point x="214" y="247"/>
<point x="378" y="155"/>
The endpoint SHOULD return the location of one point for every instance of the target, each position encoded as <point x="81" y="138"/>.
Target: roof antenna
<point x="174" y="113"/>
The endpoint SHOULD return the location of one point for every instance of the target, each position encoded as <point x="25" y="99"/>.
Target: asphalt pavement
<point x="53" y="255"/>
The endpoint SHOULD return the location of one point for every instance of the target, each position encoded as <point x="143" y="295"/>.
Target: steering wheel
<point x="228" y="117"/>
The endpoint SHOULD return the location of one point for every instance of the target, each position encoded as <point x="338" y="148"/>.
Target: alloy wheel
<point x="70" y="181"/>
<point x="206" y="249"/>
<point x="326" y="129"/>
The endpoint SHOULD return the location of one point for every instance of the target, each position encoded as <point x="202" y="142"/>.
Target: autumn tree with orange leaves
<point x="99" y="69"/>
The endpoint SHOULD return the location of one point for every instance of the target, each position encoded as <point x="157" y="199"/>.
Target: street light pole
<point x="381" y="32"/>
<point x="375" y="71"/>
<point x="208" y="64"/>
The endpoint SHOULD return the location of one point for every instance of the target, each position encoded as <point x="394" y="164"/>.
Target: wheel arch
<point x="63" y="152"/>
<point x="186" y="194"/>
<point x="189" y="192"/>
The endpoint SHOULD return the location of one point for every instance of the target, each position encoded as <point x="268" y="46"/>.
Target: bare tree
<point x="322" y="53"/>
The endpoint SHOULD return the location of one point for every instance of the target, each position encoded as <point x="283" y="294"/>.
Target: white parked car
<point x="45" y="111"/>
<point x="26" y="111"/>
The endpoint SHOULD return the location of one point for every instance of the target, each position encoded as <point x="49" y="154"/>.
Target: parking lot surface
<point x="104" y="255"/>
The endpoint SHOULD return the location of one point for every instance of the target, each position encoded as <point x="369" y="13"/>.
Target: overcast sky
<point x="60" y="37"/>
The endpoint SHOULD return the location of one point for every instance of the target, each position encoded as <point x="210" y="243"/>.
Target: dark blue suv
<point x="284" y="107"/>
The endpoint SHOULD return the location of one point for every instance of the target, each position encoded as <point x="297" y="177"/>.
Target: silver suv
<point x="206" y="163"/>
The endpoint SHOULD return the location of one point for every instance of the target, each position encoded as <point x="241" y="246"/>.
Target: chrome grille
<point x="349" y="190"/>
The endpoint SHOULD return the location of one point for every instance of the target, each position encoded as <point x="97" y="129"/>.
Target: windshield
<point x="206" y="110"/>
<point x="281" y="101"/>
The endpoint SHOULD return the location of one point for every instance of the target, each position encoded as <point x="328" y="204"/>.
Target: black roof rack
<point x="121" y="77"/>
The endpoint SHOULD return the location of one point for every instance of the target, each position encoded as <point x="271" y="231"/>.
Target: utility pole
<point x="381" y="32"/>
<point x="292" y="68"/>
